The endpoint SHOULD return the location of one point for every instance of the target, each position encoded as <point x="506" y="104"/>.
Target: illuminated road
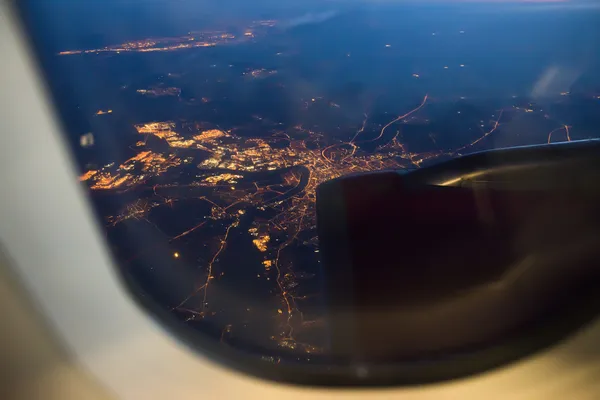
<point x="400" y="118"/>
<point x="485" y="135"/>
<point x="567" y="133"/>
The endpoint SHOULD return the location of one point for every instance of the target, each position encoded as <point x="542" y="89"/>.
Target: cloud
<point x="310" y="18"/>
<point x="555" y="79"/>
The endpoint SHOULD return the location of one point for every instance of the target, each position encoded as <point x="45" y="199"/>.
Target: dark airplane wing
<point x="495" y="250"/>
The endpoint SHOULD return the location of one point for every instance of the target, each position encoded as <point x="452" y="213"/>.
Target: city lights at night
<point x="202" y="146"/>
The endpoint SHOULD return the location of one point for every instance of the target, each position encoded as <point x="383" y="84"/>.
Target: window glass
<point x="203" y="129"/>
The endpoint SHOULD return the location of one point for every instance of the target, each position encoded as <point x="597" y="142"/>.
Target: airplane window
<point x="203" y="132"/>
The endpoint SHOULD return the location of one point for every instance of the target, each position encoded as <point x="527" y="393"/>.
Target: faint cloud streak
<point x="554" y="80"/>
<point x="310" y="18"/>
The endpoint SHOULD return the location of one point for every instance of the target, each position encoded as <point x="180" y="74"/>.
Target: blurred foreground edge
<point x="459" y="256"/>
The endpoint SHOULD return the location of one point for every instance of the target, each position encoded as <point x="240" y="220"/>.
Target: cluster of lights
<point x="307" y="163"/>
